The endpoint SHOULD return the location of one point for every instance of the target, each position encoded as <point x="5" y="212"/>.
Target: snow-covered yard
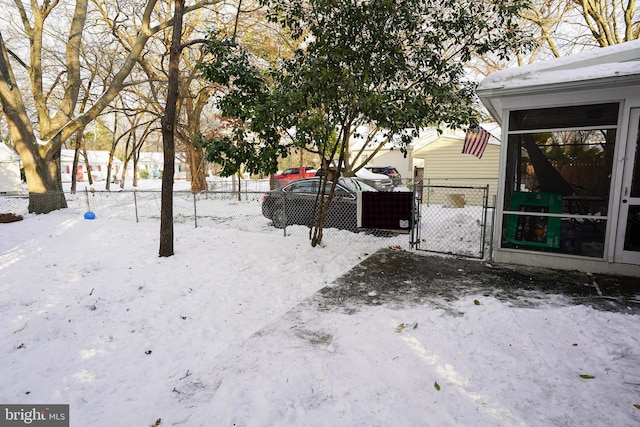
<point x="226" y="332"/>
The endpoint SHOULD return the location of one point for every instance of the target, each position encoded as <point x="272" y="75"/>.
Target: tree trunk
<point x="41" y="166"/>
<point x="168" y="142"/>
<point x="49" y="195"/>
<point x="239" y="186"/>
<point x="196" y="167"/>
<point x="114" y="143"/>
<point x="87" y="165"/>
<point x="41" y="162"/>
<point x="325" y="201"/>
<point x="127" y="159"/>
<point x="74" y="167"/>
<point x="136" y="157"/>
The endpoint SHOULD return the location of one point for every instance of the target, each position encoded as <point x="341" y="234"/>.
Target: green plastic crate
<point x="534" y="231"/>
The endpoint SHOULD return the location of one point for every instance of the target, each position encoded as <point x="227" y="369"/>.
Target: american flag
<point x="475" y="142"/>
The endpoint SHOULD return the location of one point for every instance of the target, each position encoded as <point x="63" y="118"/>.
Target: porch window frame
<point x="516" y="180"/>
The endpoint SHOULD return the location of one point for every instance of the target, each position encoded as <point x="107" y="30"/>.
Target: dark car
<point x="296" y="203"/>
<point x="390" y="171"/>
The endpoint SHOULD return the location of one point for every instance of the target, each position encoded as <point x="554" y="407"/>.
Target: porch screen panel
<point x="565" y="117"/>
<point x="558" y="177"/>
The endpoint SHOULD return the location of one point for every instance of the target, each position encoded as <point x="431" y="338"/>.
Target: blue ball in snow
<point x="89" y="215"/>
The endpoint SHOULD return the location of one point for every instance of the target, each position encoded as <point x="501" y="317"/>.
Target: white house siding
<point x="152" y="163"/>
<point x="98" y="164"/>
<point x="10" y="182"/>
<point x="444" y="164"/>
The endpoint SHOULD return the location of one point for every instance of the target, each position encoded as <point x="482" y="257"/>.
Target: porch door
<point x="628" y="236"/>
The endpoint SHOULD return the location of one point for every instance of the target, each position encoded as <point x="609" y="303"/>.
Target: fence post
<point x="86" y="198"/>
<point x="493" y="223"/>
<point x="485" y="203"/>
<point x="284" y="204"/>
<point x="135" y="203"/>
<point x="195" y="211"/>
<point x="414" y="215"/>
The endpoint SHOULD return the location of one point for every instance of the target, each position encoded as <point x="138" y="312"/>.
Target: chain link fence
<point x="450" y="219"/>
<point x="241" y="210"/>
<point x="233" y="185"/>
<point x="14" y="204"/>
<point x="453" y="220"/>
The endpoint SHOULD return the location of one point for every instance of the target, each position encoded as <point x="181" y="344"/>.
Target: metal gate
<point x="451" y="219"/>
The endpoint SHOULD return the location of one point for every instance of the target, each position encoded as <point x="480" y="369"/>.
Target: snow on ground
<point x="224" y="333"/>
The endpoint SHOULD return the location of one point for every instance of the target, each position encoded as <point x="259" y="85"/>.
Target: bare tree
<point x="194" y="92"/>
<point x="610" y="22"/>
<point x="140" y="126"/>
<point x="56" y="122"/>
<point x="168" y="143"/>
<point x="562" y="27"/>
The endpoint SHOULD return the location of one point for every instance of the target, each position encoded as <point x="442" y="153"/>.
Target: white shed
<point x="10" y="182"/>
<point x="569" y="184"/>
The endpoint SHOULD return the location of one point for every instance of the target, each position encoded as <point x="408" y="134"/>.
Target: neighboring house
<point x="386" y="156"/>
<point x="10" y="182"/>
<point x="584" y="107"/>
<point x="440" y="160"/>
<point x="98" y="165"/>
<point x="443" y="164"/>
<point x="151" y="164"/>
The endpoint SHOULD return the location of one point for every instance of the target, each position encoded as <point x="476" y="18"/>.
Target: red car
<point x="293" y="174"/>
